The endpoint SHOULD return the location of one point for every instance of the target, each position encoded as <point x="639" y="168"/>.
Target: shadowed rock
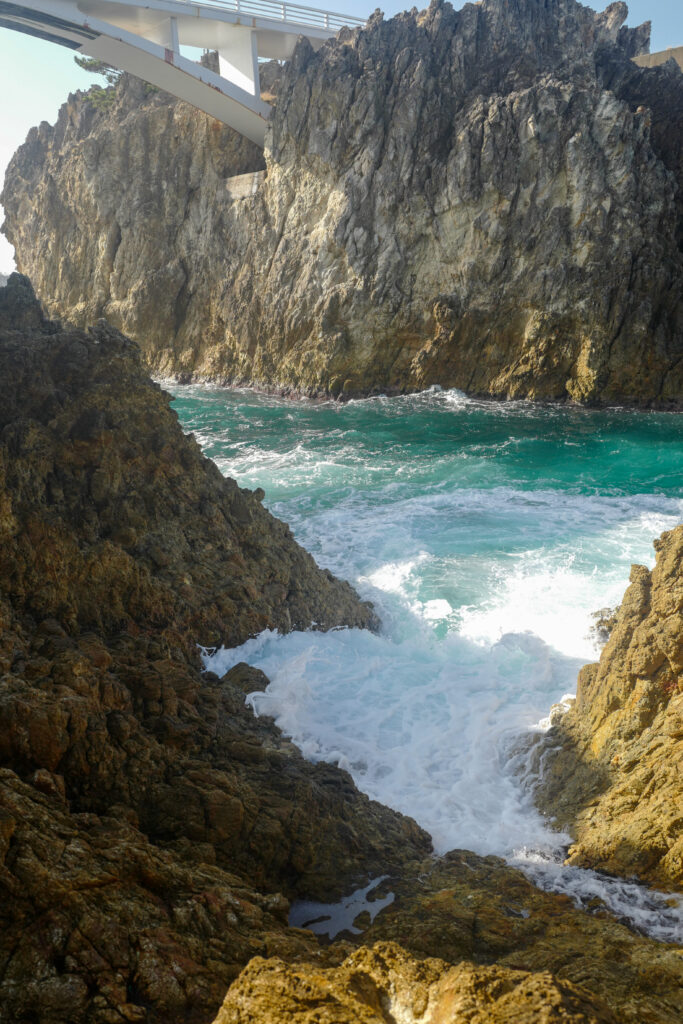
<point x="147" y="819"/>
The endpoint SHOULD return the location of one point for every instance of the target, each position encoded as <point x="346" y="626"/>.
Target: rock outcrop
<point x="488" y="199"/>
<point x="147" y="819"/>
<point x="611" y="768"/>
<point x="152" y="831"/>
<point x="125" y="226"/>
<point x="374" y="986"/>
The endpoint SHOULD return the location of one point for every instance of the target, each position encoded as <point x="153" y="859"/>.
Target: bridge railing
<point x="285" y="11"/>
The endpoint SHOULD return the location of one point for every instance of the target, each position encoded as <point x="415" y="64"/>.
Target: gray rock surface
<point x="487" y="199"/>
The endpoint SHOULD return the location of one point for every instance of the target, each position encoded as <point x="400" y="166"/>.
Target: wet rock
<point x="612" y="764"/>
<point x="466" y="907"/>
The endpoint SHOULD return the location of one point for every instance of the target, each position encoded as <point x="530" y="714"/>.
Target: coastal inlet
<point x="487" y="536"/>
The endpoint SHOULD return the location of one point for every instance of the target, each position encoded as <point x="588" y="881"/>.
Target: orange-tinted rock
<point x="383" y="984"/>
<point x="614" y="775"/>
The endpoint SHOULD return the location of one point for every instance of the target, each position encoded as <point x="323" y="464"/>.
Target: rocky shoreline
<point x="147" y="817"/>
<point x="152" y="831"/>
<point x="610" y="768"/>
<point x="487" y="199"/>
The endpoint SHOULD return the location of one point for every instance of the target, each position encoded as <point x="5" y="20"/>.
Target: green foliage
<point x="98" y="67"/>
<point x="100" y="97"/>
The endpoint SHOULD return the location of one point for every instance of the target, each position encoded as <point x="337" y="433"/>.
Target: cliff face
<point x="488" y="199"/>
<point x="121" y="200"/>
<point x="612" y="764"/>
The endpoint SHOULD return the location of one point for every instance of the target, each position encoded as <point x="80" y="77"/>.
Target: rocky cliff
<point x="611" y="769"/>
<point x="145" y="815"/>
<point x="488" y="199"/>
<point x="152" y="831"/>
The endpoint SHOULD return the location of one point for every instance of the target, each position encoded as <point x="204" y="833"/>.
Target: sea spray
<point x="421" y="724"/>
<point x="486" y="535"/>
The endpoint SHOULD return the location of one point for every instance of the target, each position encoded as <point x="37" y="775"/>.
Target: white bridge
<point x="145" y="39"/>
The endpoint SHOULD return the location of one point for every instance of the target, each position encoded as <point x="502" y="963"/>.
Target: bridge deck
<point x="145" y="39"/>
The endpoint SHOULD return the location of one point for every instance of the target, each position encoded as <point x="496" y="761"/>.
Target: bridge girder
<point x="145" y="38"/>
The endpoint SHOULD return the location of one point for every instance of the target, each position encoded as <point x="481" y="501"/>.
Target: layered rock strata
<point x="611" y="769"/>
<point x="488" y="199"/>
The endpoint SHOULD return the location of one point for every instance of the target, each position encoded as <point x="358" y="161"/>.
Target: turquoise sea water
<point x="486" y="535"/>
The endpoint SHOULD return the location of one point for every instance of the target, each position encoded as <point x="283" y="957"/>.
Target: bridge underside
<point x="145" y="40"/>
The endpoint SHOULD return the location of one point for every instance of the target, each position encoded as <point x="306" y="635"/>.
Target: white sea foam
<point x="487" y="535"/>
<point x="424" y="721"/>
<point x="406" y="552"/>
<point x="422" y="725"/>
<point x="425" y="727"/>
<point x="657" y="914"/>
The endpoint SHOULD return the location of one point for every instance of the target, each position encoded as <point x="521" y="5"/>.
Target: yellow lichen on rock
<point x="385" y="985"/>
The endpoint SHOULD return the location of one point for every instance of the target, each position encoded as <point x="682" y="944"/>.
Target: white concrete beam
<point x="165" y="33"/>
<point x="188" y="81"/>
<point x="144" y="37"/>
<point x="238" y="59"/>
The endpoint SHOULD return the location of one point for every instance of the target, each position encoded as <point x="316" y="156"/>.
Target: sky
<point x="36" y="77"/>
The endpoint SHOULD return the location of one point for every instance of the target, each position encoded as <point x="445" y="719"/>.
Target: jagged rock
<point x="465" y="907"/>
<point x="612" y="766"/>
<point x="488" y="199"/>
<point x="99" y="924"/>
<point x="88" y="438"/>
<point x="147" y="819"/>
<point x="382" y="984"/>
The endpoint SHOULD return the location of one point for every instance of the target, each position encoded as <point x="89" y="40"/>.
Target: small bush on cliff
<point x="98" y="67"/>
<point x="99" y="96"/>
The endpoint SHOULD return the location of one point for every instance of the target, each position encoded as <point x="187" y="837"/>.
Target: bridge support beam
<point x="166" y="35"/>
<point x="223" y="99"/>
<point x="238" y="60"/>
